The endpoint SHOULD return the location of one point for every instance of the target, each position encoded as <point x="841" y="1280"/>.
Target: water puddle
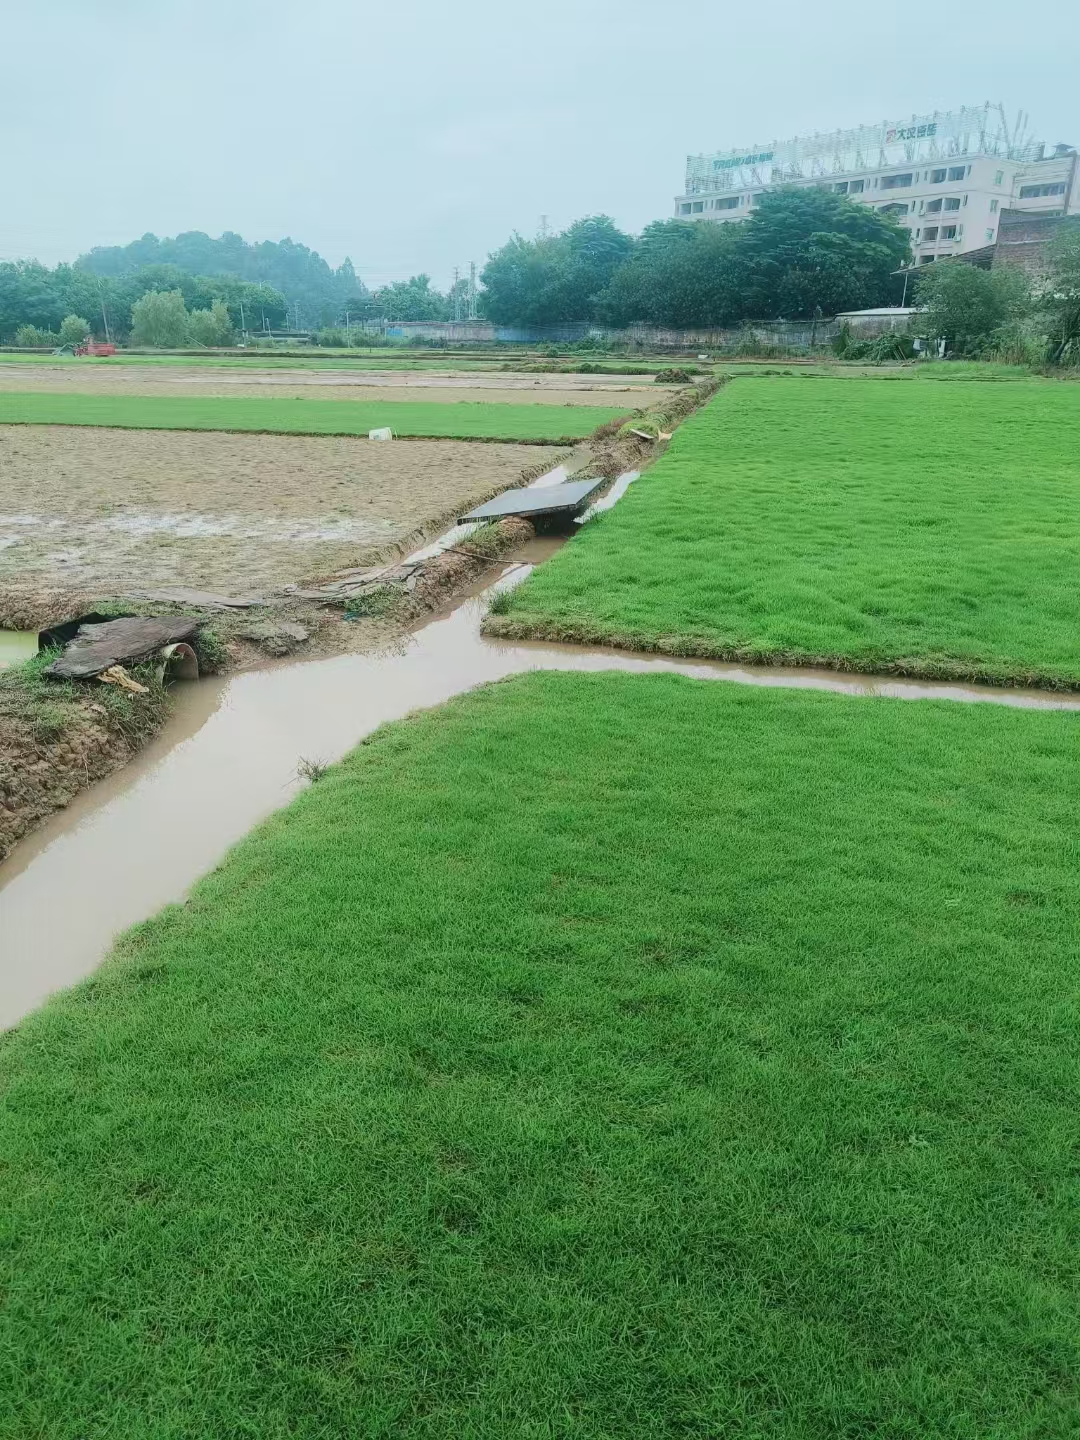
<point x="229" y="757"/>
<point x="16" y="645"/>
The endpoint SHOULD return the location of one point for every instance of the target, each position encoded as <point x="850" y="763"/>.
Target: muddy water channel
<point x="16" y="645"/>
<point x="230" y="756"/>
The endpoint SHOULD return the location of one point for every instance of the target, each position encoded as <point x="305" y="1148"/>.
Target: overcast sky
<point x="418" y="135"/>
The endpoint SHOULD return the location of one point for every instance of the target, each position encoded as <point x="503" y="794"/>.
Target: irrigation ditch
<point x="57" y="740"/>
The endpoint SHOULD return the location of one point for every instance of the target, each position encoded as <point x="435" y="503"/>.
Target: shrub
<point x="29" y="337"/>
<point x="74" y="330"/>
<point x="211" y="327"/>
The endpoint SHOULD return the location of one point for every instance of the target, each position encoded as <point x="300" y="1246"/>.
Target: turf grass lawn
<point x="596" y="1056"/>
<point x="929" y="529"/>
<point x="410" y="419"/>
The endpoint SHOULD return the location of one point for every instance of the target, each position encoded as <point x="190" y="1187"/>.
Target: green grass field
<point x="930" y="529"/>
<point x="409" y="419"/>
<point x="596" y="1056"/>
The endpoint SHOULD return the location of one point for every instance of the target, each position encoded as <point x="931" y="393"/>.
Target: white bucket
<point x="384" y="434"/>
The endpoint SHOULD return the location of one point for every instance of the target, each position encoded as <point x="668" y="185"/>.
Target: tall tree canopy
<point x="315" y="293"/>
<point x="554" y="278"/>
<point x="412" y="299"/>
<point x="802" y="252"/>
<point x="811" y="250"/>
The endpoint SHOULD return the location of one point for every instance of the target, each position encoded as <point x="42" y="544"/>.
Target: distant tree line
<point x="802" y="252"/>
<point x="313" y="291"/>
<point x="34" y="297"/>
<point x="272" y="285"/>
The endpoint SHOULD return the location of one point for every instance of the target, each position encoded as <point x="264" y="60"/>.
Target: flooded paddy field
<point x="106" y="509"/>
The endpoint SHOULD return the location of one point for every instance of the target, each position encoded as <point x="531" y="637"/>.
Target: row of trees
<point x="315" y="293"/>
<point x="32" y="295"/>
<point x="802" y="252"/>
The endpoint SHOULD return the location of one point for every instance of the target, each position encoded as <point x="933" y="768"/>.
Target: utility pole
<point x="243" y="327"/>
<point x="543" y="227"/>
<point x="104" y="316"/>
<point x="472" y="289"/>
<point x="456" y="292"/>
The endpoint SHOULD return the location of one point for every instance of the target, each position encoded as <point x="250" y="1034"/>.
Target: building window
<point x="917" y="234"/>
<point x="896" y="208"/>
<point x="989" y="237"/>
<point x="841" y="188"/>
<point x="925" y="259"/>
<point x="731" y="202"/>
<point x="684" y="209"/>
<point x="993" y="207"/>
<point x="999" y="177"/>
<point x="957" y="172"/>
<point x="948" y="232"/>
<point x="930" y="233"/>
<point x="952" y="203"/>
<point x="698" y="206"/>
<point x="933" y="206"/>
<point x="937" y="177"/>
<point x="856" y="187"/>
<point x="756" y="196"/>
<point x="1029" y="192"/>
<point x="896" y="182"/>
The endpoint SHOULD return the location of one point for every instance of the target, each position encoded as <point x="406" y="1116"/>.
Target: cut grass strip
<point x="603" y="1056"/>
<point x="928" y="529"/>
<point x="408" y="419"/>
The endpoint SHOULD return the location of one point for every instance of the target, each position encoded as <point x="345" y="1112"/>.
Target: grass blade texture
<point x="868" y="524"/>
<point x="408" y="418"/>
<point x="598" y="1056"/>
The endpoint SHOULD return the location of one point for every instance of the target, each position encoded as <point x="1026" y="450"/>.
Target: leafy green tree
<point x="289" y="269"/>
<point x="159" y="318"/>
<point x="681" y="273"/>
<point x="555" y="278"/>
<point x="212" y="326"/>
<point x="74" y="330"/>
<point x="28" y="296"/>
<point x="808" y="251"/>
<point x="965" y="305"/>
<point x="1061" y="295"/>
<point x="412" y="299"/>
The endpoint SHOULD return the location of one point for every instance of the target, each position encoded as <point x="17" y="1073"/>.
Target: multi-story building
<point x="946" y="177"/>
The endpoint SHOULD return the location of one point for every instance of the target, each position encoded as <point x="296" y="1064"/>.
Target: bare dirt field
<point x="503" y="388"/>
<point x="115" y="510"/>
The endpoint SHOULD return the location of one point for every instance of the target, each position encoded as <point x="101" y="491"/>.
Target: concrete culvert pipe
<point x="177" y="662"/>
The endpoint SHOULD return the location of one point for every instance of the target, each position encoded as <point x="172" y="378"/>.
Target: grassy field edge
<point x="539" y="627"/>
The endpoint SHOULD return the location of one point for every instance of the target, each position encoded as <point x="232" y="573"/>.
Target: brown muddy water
<point x="230" y="755"/>
<point x="16" y="645"/>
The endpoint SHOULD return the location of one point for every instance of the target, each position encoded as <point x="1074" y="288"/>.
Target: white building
<point x="946" y="177"/>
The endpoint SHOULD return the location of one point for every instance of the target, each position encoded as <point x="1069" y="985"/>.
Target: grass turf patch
<point x="600" y="1056"/>
<point x="407" y="418"/>
<point x="930" y="529"/>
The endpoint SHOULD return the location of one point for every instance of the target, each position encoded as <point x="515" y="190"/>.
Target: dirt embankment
<point x="56" y="740"/>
